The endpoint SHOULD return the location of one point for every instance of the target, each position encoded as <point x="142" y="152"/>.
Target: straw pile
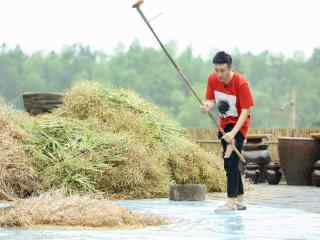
<point x="74" y="155"/>
<point x="160" y="151"/>
<point x="56" y="209"/>
<point x="110" y="142"/>
<point x="104" y="140"/>
<point x="17" y="176"/>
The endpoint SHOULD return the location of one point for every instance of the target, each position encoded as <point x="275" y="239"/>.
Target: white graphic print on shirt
<point x="231" y="99"/>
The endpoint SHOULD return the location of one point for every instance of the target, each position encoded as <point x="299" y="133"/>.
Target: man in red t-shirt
<point x="230" y="92"/>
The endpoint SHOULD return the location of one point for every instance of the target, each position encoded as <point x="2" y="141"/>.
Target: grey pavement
<point x="299" y="197"/>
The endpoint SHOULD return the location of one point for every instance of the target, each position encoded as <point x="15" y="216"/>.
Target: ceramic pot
<point x="297" y="156"/>
<point x="252" y="166"/>
<point x="257" y="153"/>
<point x="316" y="178"/>
<point x="273" y="166"/>
<point x="253" y="175"/>
<point x="316" y="165"/>
<point x="273" y="177"/>
<point x="316" y="174"/>
<point x="37" y="103"/>
<point x="273" y="174"/>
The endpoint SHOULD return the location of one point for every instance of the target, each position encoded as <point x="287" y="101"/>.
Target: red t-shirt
<point x="236" y="93"/>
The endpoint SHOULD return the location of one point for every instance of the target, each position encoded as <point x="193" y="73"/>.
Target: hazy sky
<point x="254" y="25"/>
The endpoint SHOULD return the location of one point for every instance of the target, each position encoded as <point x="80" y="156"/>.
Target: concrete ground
<point x="278" y="212"/>
<point x="299" y="197"/>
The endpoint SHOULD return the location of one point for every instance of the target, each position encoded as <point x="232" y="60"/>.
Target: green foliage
<point x="68" y="154"/>
<point x="147" y="71"/>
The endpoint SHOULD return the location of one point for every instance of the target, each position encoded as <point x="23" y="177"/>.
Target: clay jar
<point x="273" y="174"/>
<point x="316" y="174"/>
<point x="297" y="157"/>
<point x="255" y="152"/>
<point x="37" y="103"/>
<point x="252" y="172"/>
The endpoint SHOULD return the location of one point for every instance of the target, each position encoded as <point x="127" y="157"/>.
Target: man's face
<point x="223" y="71"/>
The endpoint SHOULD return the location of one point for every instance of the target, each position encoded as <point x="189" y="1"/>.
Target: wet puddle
<point x="195" y="220"/>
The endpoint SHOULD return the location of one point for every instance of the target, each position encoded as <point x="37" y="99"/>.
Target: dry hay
<point x="56" y="209"/>
<point x="17" y="176"/>
<point x="72" y="154"/>
<point x="110" y="141"/>
<point x="120" y="110"/>
<point x="164" y="146"/>
<point x="189" y="163"/>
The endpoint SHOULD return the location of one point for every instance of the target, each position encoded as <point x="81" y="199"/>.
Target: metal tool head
<point x="138" y="4"/>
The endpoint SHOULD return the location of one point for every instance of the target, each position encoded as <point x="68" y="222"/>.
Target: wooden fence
<point x="201" y="135"/>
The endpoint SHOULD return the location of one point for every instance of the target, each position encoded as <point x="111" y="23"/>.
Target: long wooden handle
<point x="181" y="74"/>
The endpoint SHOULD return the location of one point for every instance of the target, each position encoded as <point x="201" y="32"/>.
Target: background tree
<point x="273" y="78"/>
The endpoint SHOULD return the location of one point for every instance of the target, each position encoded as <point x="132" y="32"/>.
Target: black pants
<point x="231" y="165"/>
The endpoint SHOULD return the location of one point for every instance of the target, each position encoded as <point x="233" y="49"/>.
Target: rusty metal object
<point x="37" y="103"/>
<point x="297" y="156"/>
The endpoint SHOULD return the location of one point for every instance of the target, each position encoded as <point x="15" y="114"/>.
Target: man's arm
<point x="246" y="102"/>
<point x="229" y="136"/>
<point x="245" y="112"/>
<point x="207" y="105"/>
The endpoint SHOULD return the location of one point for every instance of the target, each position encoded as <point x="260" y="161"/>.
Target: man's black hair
<point x="222" y="58"/>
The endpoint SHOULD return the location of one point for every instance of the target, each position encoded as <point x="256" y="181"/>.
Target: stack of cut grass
<point x="160" y="152"/>
<point x="115" y="142"/>
<point x="105" y="141"/>
<point x="75" y="155"/>
<point x="56" y="209"/>
<point x="188" y="163"/>
<point x="17" y="176"/>
<point x="120" y="110"/>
